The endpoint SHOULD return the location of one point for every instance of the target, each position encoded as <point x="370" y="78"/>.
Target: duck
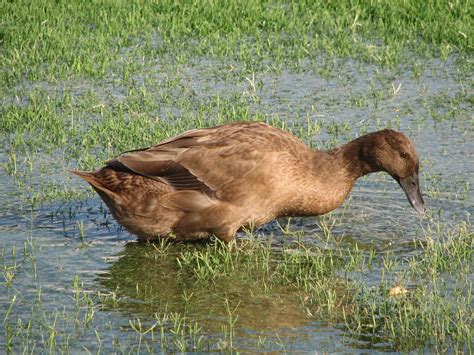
<point x="216" y="181"/>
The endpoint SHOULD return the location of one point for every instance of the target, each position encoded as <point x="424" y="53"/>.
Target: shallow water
<point x="61" y="278"/>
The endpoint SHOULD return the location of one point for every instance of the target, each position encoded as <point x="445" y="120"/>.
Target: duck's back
<point x="209" y="159"/>
<point x="234" y="139"/>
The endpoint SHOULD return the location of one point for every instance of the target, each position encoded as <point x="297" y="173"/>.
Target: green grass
<point x="51" y="41"/>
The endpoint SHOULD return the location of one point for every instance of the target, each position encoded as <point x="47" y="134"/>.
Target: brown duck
<point x="214" y="181"/>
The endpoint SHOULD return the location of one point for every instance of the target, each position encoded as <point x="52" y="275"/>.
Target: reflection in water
<point x="150" y="283"/>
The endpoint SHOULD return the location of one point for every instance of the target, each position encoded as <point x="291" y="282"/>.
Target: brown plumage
<point x="213" y="181"/>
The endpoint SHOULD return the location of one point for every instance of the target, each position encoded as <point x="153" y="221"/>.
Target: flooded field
<point x="371" y="275"/>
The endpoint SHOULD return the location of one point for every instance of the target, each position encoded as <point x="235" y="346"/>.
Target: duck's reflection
<point x="149" y="281"/>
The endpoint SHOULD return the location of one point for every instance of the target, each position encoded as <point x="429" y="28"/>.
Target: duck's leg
<point x="187" y="237"/>
<point x="193" y="231"/>
<point x="226" y="234"/>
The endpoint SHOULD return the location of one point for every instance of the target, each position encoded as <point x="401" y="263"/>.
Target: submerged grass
<point x="297" y="283"/>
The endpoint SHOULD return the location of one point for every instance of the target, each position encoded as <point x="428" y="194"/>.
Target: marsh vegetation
<point x="83" y="81"/>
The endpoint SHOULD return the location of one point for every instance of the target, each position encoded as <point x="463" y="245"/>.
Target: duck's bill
<point x="411" y="186"/>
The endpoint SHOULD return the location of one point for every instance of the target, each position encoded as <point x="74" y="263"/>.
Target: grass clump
<point x="453" y="251"/>
<point x="411" y="321"/>
<point x="222" y="260"/>
<point x="434" y="308"/>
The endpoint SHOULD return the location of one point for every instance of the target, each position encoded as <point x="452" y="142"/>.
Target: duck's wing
<point x="209" y="160"/>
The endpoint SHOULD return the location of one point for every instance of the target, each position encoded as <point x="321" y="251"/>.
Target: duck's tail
<point x="96" y="183"/>
<point x="91" y="178"/>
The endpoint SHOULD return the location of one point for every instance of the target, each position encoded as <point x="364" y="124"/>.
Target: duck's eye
<point x="404" y="155"/>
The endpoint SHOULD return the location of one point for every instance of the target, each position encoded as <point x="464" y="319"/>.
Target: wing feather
<point x="212" y="160"/>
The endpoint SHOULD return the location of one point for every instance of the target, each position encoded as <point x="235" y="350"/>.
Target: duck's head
<point x="393" y="152"/>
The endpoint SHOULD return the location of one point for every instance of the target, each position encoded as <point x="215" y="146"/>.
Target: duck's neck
<point x="354" y="159"/>
<point x="330" y="178"/>
<point x="333" y="174"/>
